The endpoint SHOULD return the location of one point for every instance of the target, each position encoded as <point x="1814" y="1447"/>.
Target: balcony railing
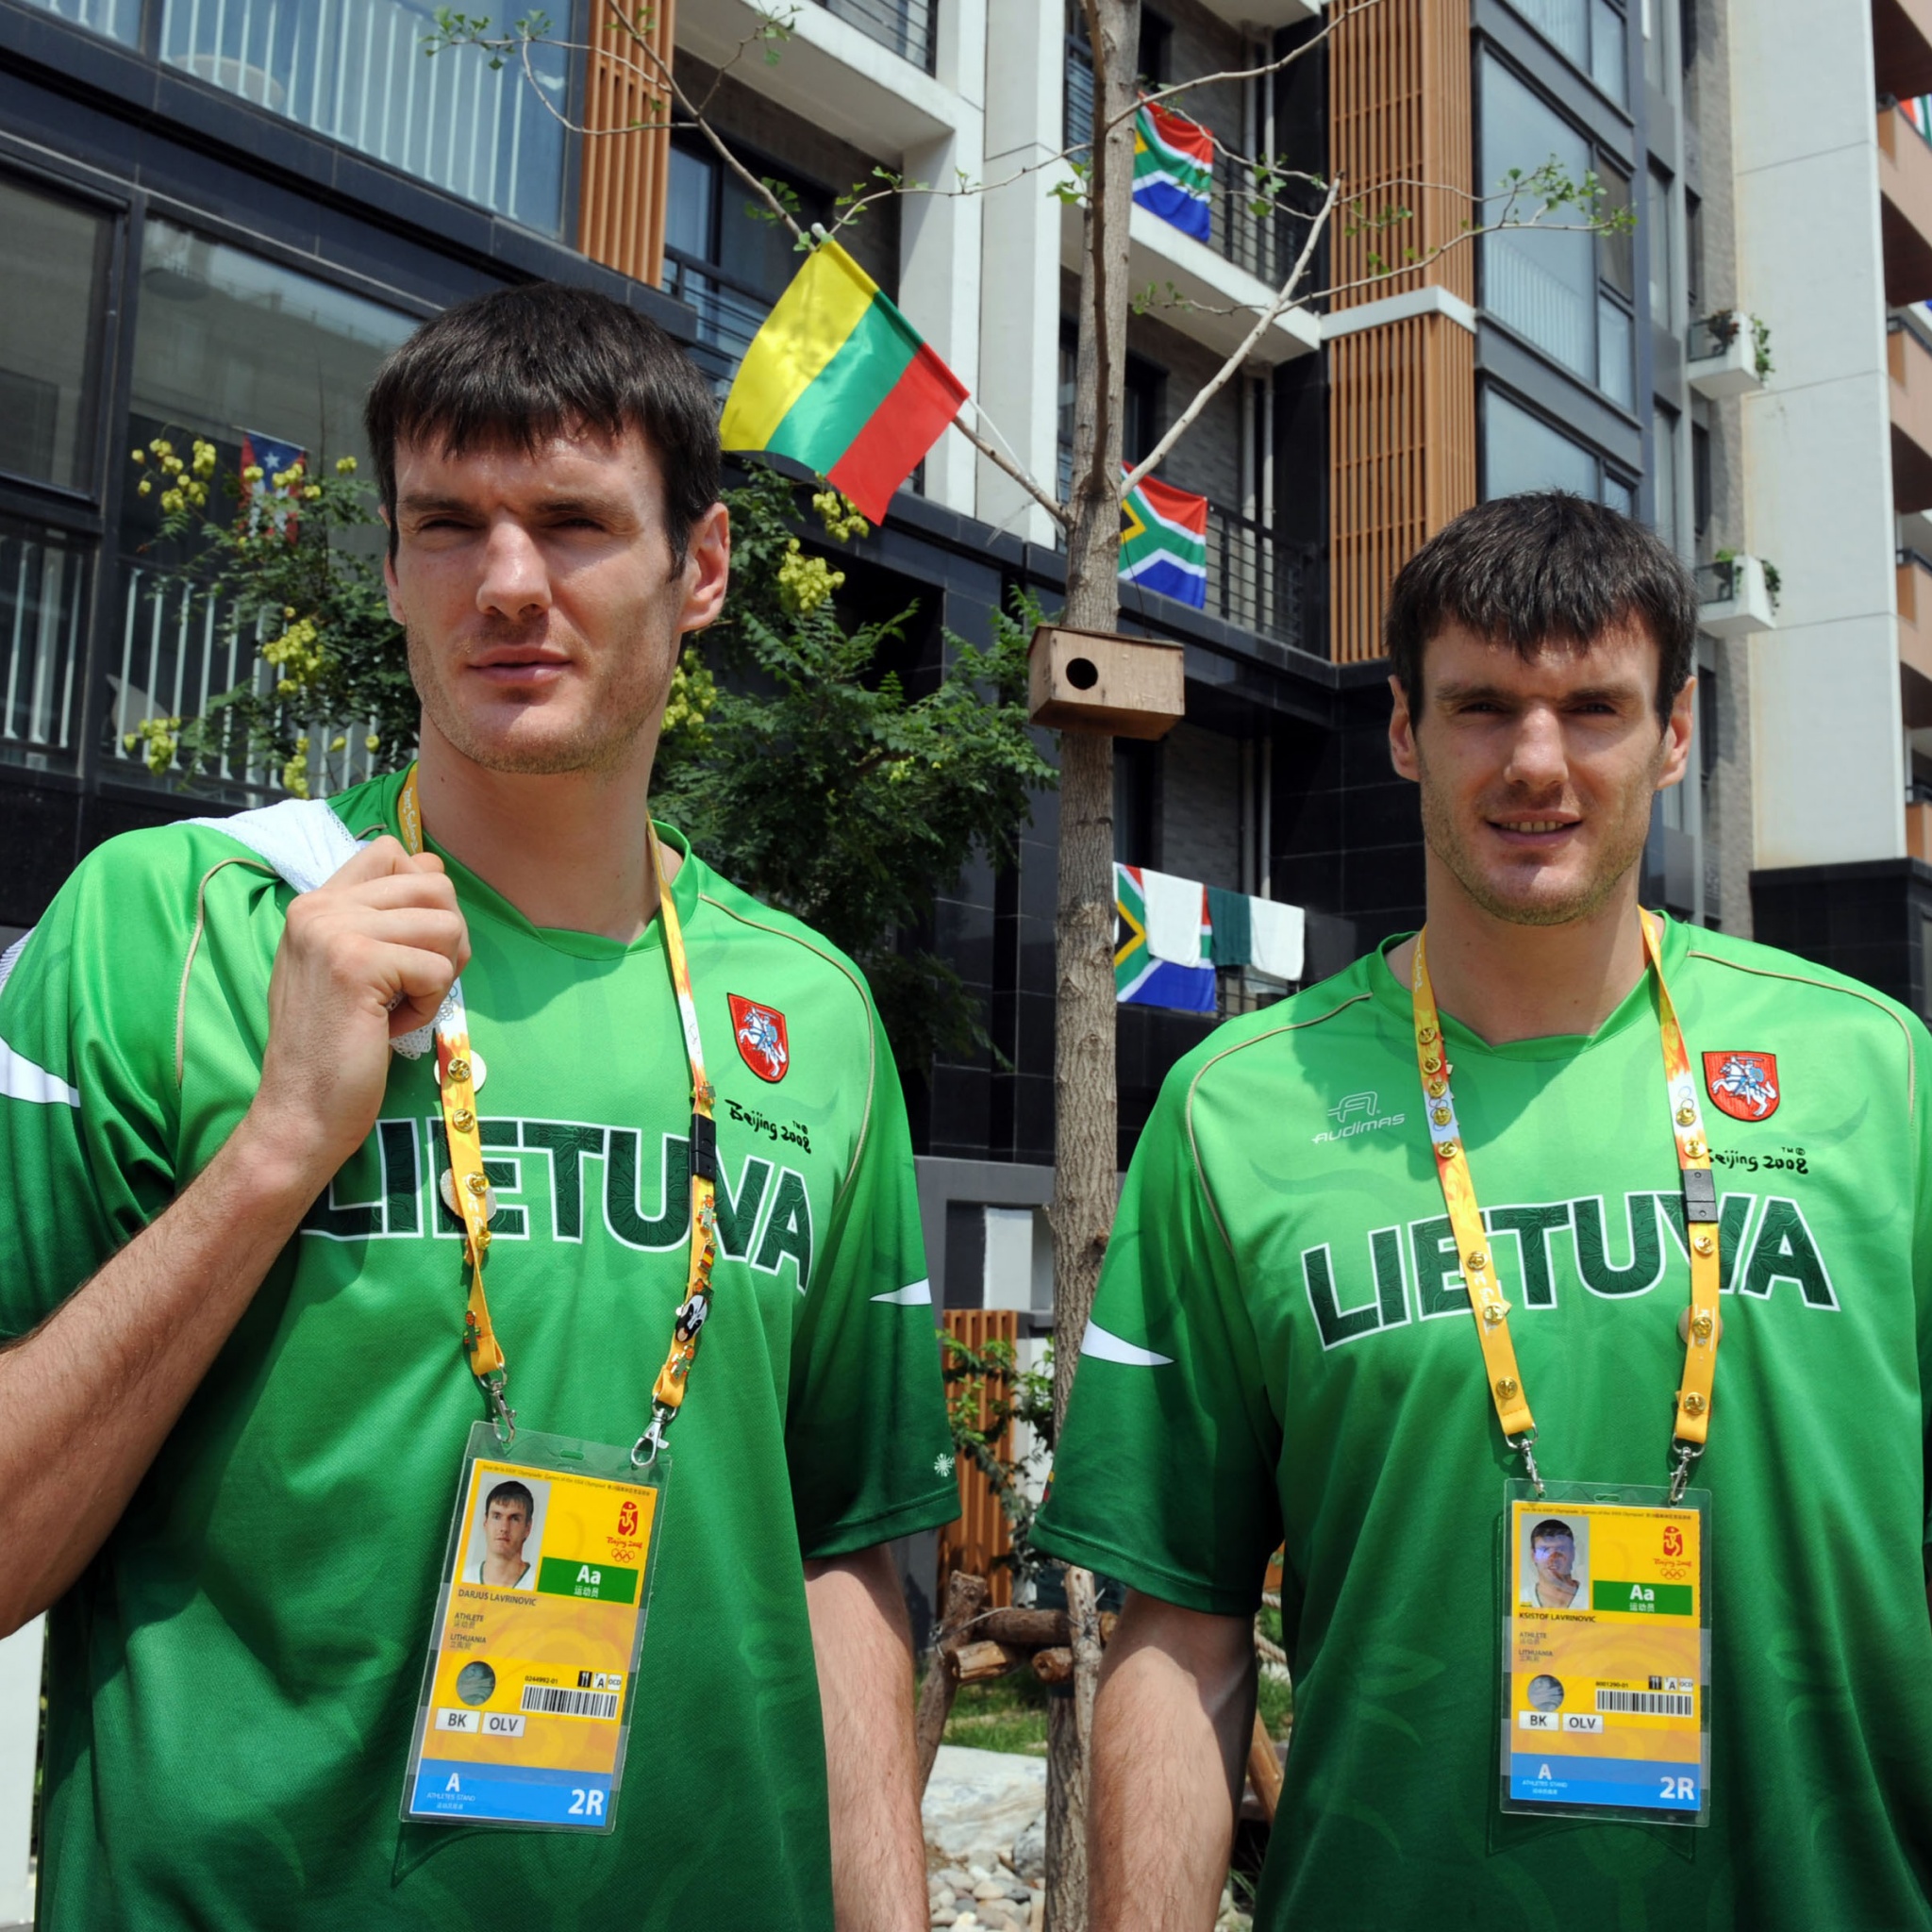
<point x="42" y="595"/>
<point x="905" y="27"/>
<point x="175" y="652"/>
<point x="354" y="71"/>
<point x="730" y="312"/>
<point x="118" y="20"/>
<point x="1255" y="579"/>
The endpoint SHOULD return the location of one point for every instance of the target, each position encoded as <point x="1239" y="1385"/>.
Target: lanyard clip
<point x="503" y="1417"/>
<point x="645" y="1451"/>
<point x="1525" y="1446"/>
<point x="1685" y="1454"/>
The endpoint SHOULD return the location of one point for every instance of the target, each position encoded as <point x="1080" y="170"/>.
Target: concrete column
<point x="1826" y="727"/>
<point x="940" y="240"/>
<point x="20" y="1733"/>
<point x="1020" y="281"/>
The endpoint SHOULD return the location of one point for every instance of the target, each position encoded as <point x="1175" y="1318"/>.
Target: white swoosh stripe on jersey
<point x="917" y="1295"/>
<point x="20" y="1079"/>
<point x="1097" y="1341"/>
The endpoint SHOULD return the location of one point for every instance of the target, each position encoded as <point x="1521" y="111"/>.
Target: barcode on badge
<point x="1632" y="1703"/>
<point x="555" y="1702"/>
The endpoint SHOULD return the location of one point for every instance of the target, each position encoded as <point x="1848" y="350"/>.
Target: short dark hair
<point x="521" y="365"/>
<point x="1549" y="1529"/>
<point x="511" y="1493"/>
<point x="1539" y="570"/>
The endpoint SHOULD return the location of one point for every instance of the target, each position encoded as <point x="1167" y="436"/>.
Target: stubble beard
<point x="604" y="741"/>
<point x="1533" y="906"/>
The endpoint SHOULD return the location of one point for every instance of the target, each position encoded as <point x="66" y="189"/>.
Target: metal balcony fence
<point x="1717" y="583"/>
<point x="175" y="652"/>
<point x="42" y="599"/>
<point x="730" y="312"/>
<point x="354" y="71"/>
<point x="1255" y="579"/>
<point x="905" y="27"/>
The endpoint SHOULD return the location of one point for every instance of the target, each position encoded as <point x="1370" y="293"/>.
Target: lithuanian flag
<point x="839" y="380"/>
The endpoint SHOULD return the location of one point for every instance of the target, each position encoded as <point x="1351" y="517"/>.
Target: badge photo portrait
<point x="504" y="1544"/>
<point x="1551" y="1551"/>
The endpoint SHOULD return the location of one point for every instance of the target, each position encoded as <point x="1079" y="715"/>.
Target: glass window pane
<point x="1663" y="293"/>
<point x="690" y="204"/>
<point x="1565" y="23"/>
<point x="1656" y="62"/>
<point x="239" y="351"/>
<point x="1616" y="252"/>
<point x="1523" y="452"/>
<point x="1608" y="60"/>
<point x="354" y="71"/>
<point x="1613" y="349"/>
<point x="1619" y="495"/>
<point x="42" y="595"/>
<point x="1542" y="282"/>
<point x="1669" y="526"/>
<point x="120" y="20"/>
<point x="53" y="256"/>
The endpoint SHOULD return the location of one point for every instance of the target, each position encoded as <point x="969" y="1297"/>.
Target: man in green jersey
<point x="1283" y="1348"/>
<point x="236" y="1280"/>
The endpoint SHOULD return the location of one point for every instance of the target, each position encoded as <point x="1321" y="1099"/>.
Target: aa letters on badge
<point x="526" y="1698"/>
<point x="1606" y="1653"/>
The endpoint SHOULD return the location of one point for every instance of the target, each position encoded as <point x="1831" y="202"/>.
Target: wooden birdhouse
<point x="1091" y="680"/>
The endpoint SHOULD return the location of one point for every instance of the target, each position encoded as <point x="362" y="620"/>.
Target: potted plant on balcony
<point x="1730" y="354"/>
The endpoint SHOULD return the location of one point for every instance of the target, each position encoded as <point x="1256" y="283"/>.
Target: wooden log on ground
<point x="1027" y="1629"/>
<point x="1054" y="1665"/>
<point x="977" y="1661"/>
<point x="965" y="1599"/>
<point x="1264" y="1769"/>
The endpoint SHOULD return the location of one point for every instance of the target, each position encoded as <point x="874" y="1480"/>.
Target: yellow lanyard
<point x="457" y="1094"/>
<point x="1486" y="1303"/>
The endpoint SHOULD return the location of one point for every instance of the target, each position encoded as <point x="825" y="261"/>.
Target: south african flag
<point x="1164" y="541"/>
<point x="1174" y="169"/>
<point x="1139" y="978"/>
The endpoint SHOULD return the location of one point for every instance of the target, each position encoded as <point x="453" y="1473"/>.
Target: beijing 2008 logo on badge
<point x="759" y="1032"/>
<point x="1744" y="1085"/>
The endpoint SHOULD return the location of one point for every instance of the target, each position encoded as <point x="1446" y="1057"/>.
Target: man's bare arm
<point x="90" y="1394"/>
<point x="864" y="1652"/>
<point x="1171" y="1728"/>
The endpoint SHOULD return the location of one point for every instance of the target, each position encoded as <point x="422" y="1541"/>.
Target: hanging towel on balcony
<point x="839" y="380"/>
<point x="1280" y="939"/>
<point x="1177" y="926"/>
<point x="1141" y="979"/>
<point x="1164" y="541"/>
<point x="1234" y="931"/>
<point x="1174" y="169"/>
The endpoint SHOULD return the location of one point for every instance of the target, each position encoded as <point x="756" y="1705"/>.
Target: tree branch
<point x="1219" y="381"/>
<point x="1054" y="509"/>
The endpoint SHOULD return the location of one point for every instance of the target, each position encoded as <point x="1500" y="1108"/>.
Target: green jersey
<point x="1282" y="1350"/>
<point x="234" y="1677"/>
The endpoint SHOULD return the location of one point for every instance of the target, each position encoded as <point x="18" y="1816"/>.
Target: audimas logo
<point x="1358" y="1113"/>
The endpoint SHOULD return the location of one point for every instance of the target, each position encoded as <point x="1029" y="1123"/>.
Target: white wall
<point x="20" y="1727"/>
<point x="1826" y="721"/>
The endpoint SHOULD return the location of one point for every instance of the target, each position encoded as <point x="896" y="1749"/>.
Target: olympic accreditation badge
<point x="1606" y="1662"/>
<point x="526" y="1698"/>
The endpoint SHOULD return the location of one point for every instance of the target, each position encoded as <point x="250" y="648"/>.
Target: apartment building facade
<point x="221" y="213"/>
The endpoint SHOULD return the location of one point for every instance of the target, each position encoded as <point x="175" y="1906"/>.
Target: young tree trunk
<point x="1086" y="1140"/>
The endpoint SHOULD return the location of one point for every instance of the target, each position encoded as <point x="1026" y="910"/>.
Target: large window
<point x="354" y="70"/>
<point x="55" y="255"/>
<point x="1662" y="228"/>
<point x="1521" y="451"/>
<point x="229" y="348"/>
<point x="723" y="252"/>
<point x="1589" y="34"/>
<point x="120" y="20"/>
<point x="1564" y="287"/>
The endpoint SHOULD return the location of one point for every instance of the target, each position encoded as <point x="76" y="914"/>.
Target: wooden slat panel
<point x="1402" y="397"/>
<point x="620" y="212"/>
<point x="982" y="1534"/>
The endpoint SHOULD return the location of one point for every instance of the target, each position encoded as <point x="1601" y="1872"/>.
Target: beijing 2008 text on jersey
<point x="248" y="1645"/>
<point x="1281" y="1350"/>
